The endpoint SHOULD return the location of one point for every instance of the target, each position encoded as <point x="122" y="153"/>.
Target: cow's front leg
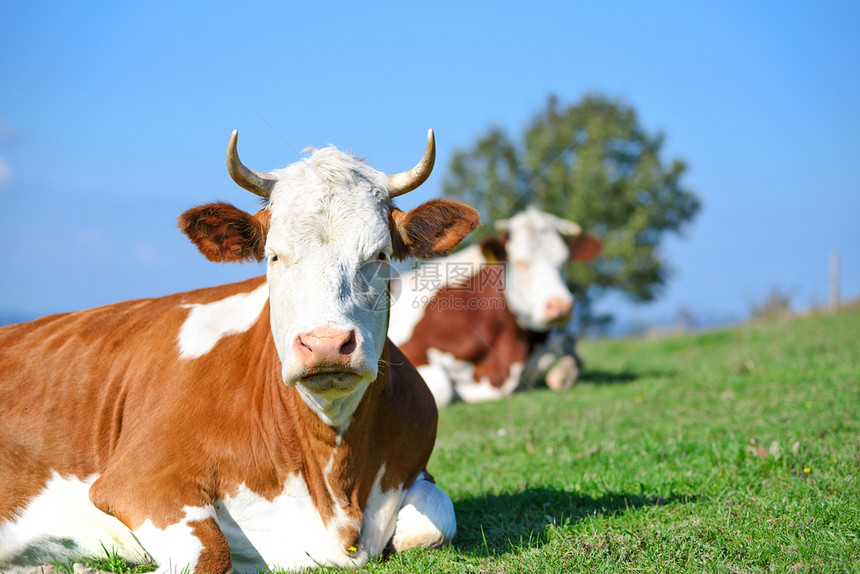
<point x="425" y="519"/>
<point x="195" y="543"/>
<point x="178" y="536"/>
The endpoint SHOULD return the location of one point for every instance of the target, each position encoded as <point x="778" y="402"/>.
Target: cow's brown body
<point x="124" y="406"/>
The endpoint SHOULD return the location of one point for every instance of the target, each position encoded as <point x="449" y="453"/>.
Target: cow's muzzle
<point x="326" y="360"/>
<point x="558" y="311"/>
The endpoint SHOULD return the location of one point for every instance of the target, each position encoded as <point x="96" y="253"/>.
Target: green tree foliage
<point x="593" y="163"/>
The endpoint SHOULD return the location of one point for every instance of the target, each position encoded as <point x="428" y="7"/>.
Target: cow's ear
<point x="224" y="233"/>
<point x="493" y="249"/>
<point x="433" y="229"/>
<point x="584" y="247"/>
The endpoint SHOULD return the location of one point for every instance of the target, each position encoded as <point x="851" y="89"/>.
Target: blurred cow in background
<point x="470" y="321"/>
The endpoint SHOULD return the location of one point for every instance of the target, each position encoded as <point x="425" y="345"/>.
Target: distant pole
<point x="833" y="306"/>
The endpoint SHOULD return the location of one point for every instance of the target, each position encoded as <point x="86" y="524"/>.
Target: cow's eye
<point x="383" y="256"/>
<point x="273" y="258"/>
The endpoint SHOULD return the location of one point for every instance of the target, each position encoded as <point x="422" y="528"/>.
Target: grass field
<point x="728" y="451"/>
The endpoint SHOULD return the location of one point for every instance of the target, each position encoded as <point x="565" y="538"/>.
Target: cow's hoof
<point x="563" y="374"/>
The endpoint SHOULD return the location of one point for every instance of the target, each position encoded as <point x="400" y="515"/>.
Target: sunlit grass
<point x="729" y="451"/>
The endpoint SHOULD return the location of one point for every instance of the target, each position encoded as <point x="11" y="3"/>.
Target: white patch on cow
<point x="286" y="532"/>
<point x="419" y="286"/>
<point x="450" y="378"/>
<point x="480" y="391"/>
<point x="426" y="518"/>
<point x="60" y="522"/>
<point x="380" y="515"/>
<point x="459" y="372"/>
<point x="175" y="548"/>
<point x="208" y="323"/>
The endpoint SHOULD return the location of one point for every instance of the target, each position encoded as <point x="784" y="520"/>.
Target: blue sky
<point x="114" y="119"/>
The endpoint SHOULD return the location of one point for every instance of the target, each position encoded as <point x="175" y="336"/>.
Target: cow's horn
<point x="254" y="181"/>
<point x="405" y="181"/>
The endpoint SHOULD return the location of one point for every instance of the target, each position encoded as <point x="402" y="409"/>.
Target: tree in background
<point x="593" y="163"/>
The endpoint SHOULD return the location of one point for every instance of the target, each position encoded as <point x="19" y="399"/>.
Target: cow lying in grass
<point x="266" y="423"/>
<point x="469" y="321"/>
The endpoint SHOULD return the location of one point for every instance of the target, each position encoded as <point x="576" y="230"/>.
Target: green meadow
<point x="725" y="451"/>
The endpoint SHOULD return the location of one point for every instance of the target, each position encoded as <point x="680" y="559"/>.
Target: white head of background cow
<point x="328" y="232"/>
<point x="536" y="245"/>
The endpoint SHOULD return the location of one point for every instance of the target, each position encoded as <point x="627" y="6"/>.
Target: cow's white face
<point x="328" y="234"/>
<point x="536" y="252"/>
<point x="328" y="252"/>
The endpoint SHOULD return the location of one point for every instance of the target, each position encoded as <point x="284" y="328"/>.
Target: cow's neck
<point x="353" y="414"/>
<point x="338" y="463"/>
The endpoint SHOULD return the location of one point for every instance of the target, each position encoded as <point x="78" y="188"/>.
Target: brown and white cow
<point x="264" y="423"/>
<point x="469" y="321"/>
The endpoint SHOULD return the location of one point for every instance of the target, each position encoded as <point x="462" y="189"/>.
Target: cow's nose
<point x="325" y="347"/>
<point x="558" y="308"/>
